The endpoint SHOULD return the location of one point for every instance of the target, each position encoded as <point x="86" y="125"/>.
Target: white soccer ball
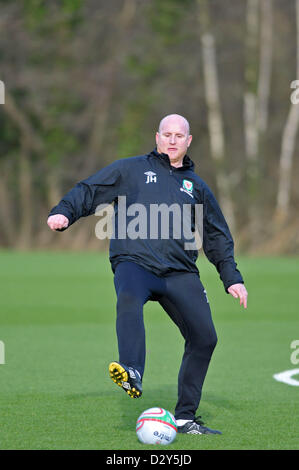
<point x="156" y="426"/>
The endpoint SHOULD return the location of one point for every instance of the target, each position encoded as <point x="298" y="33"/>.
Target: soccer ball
<point x="156" y="426"/>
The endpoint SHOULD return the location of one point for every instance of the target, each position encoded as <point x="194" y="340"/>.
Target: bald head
<point x="173" y="138"/>
<point x="175" y="119"/>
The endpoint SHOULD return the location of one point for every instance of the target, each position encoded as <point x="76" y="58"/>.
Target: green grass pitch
<point x="58" y="327"/>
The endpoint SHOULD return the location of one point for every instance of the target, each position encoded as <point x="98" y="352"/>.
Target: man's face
<point x="173" y="139"/>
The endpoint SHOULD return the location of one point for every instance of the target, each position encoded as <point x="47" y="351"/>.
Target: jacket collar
<point x="188" y="164"/>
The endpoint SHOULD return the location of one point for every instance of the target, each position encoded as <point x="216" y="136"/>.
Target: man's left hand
<point x="238" y="291"/>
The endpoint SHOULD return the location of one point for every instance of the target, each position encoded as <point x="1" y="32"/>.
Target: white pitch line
<point x="287" y="377"/>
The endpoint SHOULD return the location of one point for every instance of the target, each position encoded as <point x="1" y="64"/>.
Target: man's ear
<point x="189" y="140"/>
<point x="157" y="137"/>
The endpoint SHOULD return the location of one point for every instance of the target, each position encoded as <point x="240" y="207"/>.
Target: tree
<point x="215" y="120"/>
<point x="288" y="142"/>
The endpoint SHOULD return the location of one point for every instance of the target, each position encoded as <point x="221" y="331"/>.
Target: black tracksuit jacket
<point x="166" y="185"/>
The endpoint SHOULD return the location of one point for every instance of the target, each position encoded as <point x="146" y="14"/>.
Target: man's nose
<point x="172" y="139"/>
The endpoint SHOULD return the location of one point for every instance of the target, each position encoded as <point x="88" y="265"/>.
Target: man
<point x="158" y="269"/>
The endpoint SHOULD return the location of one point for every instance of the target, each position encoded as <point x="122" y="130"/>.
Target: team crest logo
<point x="187" y="187"/>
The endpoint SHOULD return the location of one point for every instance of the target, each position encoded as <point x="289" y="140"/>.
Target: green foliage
<point x="71" y="6"/>
<point x="61" y="59"/>
<point x="9" y="142"/>
<point x="35" y="12"/>
<point x="39" y="15"/>
<point x="59" y="143"/>
<point x="129" y="137"/>
<point x="144" y="67"/>
<point x="165" y="18"/>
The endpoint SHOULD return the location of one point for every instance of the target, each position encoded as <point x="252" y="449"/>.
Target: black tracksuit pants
<point x="183" y="297"/>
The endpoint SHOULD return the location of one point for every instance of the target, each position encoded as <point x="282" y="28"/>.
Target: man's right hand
<point x="57" y="221"/>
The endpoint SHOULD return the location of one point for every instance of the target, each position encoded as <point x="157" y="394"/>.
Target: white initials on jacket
<point x="151" y="177"/>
